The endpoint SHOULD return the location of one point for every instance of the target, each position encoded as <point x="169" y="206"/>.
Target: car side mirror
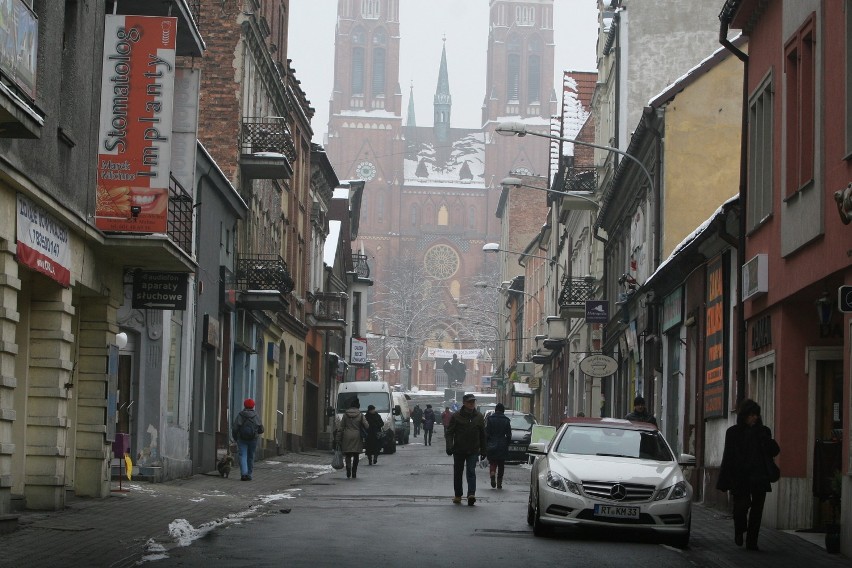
<point x="397" y="410"/>
<point x="687" y="460"/>
<point x="537" y="448"/>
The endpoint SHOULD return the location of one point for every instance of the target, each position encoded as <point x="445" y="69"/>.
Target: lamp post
<point x="495" y="247"/>
<point x="520" y="129"/>
<point x="510" y="291"/>
<point x="579" y="200"/>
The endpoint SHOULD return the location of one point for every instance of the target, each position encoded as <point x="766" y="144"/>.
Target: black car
<point x="522" y="423"/>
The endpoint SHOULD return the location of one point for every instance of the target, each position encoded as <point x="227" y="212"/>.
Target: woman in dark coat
<point x="428" y="425"/>
<point x="373" y="445"/>
<point x="498" y="436"/>
<point x="748" y="449"/>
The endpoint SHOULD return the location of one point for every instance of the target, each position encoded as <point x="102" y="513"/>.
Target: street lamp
<point x="520" y="129"/>
<point x="509" y="291"/>
<point x="495" y="247"/>
<point x="576" y="200"/>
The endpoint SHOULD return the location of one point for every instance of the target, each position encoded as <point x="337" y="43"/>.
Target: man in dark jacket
<point x="466" y="442"/>
<point x="498" y="435"/>
<point x="744" y="470"/>
<point x="417" y="418"/>
<point x="245" y="430"/>
<point x="640" y="413"/>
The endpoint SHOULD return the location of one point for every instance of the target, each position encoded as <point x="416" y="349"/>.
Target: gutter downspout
<point x="743" y="225"/>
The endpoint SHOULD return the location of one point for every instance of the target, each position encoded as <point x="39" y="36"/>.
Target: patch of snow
<point x="277" y="496"/>
<point x="269" y="154"/>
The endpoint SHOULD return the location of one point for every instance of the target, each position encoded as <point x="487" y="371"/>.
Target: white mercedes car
<point x="604" y="472"/>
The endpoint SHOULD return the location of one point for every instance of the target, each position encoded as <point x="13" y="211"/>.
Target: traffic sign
<point x="597" y="311"/>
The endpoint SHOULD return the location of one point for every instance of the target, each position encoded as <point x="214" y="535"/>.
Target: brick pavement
<point x="113" y="532"/>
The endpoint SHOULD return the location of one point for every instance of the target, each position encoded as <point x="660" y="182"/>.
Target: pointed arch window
<point x="443" y="216"/>
<point x="358" y="71"/>
<point x="415" y="215"/>
<point x="471" y="217"/>
<point x="513" y="80"/>
<point x="378" y="82"/>
<point x="370" y="9"/>
<point x="534" y="79"/>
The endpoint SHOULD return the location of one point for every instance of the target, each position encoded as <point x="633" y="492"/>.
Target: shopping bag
<point x="337" y="460"/>
<point x="483" y="462"/>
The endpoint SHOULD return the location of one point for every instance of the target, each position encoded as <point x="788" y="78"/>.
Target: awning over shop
<point x="521" y="389"/>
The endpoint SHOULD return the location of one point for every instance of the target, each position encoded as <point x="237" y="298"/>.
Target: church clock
<point x="365" y="171"/>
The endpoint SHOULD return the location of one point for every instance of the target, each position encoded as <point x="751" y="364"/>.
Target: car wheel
<point x="539" y="528"/>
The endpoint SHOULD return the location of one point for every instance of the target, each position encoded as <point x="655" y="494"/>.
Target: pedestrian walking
<point x="347" y="434"/>
<point x="498" y="436"/>
<point x="640" y="412"/>
<point x="428" y="424"/>
<point x="417" y="417"/>
<point x="245" y="431"/>
<point x="745" y="471"/>
<point x="445" y="418"/>
<point x="466" y="442"/>
<point x="373" y="445"/>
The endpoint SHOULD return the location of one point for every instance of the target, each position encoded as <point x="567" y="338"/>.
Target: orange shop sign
<point x="134" y="140"/>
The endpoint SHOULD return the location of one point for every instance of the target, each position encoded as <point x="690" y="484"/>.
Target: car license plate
<point x="617" y="511"/>
<point x="517" y="448"/>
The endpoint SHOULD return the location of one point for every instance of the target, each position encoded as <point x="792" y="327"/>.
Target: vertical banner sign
<point x="715" y="376"/>
<point x="43" y="242"/>
<point x="134" y="140"/>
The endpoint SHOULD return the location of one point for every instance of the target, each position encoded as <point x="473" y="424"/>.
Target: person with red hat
<point x="245" y="431"/>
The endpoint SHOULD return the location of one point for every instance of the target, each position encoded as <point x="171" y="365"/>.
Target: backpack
<point x="248" y="429"/>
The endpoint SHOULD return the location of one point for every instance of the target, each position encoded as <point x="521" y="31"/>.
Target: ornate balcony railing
<point x="267" y="135"/>
<point x="330" y="306"/>
<point x="580" y="179"/>
<point x="362" y="267"/>
<point x="179" y="222"/>
<point x="263" y="272"/>
<point x="575" y="292"/>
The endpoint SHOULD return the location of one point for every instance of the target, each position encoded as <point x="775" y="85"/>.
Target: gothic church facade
<point x="432" y="190"/>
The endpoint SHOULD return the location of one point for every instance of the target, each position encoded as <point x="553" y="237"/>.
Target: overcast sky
<point x="423" y="23"/>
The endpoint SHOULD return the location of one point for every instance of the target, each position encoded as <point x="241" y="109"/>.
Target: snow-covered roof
<point x="340" y="193"/>
<point x="693" y="236"/>
<point x="330" y="250"/>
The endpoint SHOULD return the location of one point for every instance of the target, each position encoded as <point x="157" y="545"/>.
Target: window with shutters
<point x="370" y="9"/>
<point x="800" y="92"/>
<point x="358" y="71"/>
<point x="760" y="154"/>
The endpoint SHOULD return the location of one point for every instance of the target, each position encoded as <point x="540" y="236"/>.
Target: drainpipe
<point x="743" y="225"/>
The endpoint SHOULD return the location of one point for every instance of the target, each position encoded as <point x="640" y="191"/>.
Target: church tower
<point x="365" y="115"/>
<point x="519" y="84"/>
<point x="443" y="101"/>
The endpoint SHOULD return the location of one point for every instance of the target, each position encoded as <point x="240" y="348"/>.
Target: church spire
<point x="410" y="120"/>
<point x="443" y="101"/>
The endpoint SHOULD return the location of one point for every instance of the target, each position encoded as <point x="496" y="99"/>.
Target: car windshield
<point x="380" y="400"/>
<point x="521" y="421"/>
<point x="592" y="441"/>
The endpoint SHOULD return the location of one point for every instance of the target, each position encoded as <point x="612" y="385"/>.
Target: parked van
<point x="377" y="393"/>
<point x="402" y="419"/>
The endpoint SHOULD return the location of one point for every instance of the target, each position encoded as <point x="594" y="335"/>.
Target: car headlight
<point x="676" y="491"/>
<point x="559" y="483"/>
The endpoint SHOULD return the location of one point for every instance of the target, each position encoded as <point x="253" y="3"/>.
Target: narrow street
<point x="299" y="512"/>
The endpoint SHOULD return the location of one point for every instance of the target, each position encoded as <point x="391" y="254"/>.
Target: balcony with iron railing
<point x="361" y="267"/>
<point x="267" y="150"/>
<point x="329" y="310"/>
<point x="573" y="296"/>
<point x="263" y="282"/>
<point x="580" y="179"/>
<point x="172" y="251"/>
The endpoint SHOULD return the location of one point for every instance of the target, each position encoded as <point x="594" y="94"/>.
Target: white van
<point x="377" y="393"/>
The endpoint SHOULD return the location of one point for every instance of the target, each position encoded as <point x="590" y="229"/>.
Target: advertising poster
<point x="137" y="97"/>
<point x="43" y="242"/>
<point x="715" y="383"/>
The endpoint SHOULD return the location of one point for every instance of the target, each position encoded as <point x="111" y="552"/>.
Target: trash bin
<point x="121" y="445"/>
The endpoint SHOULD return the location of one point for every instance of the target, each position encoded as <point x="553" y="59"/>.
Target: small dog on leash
<point x="224" y="465"/>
